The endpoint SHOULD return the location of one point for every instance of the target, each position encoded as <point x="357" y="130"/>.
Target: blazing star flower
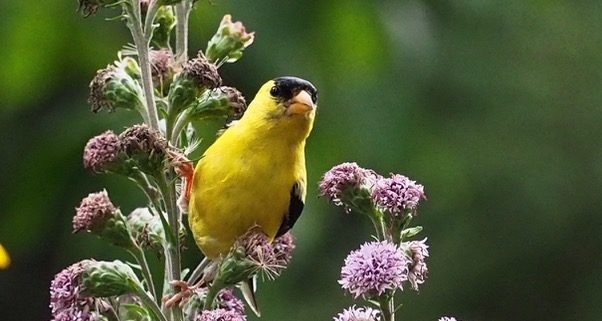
<point x="228" y="301"/>
<point x="397" y="194"/>
<point x="358" y="314"/>
<point x="197" y="76"/>
<point x="220" y="315"/>
<point x="347" y="181"/>
<point x="66" y="300"/>
<point x="418" y="251"/>
<point x="103" y="152"/>
<point x="373" y="269"/>
<point x="146" y="147"/>
<point x="93" y="211"/>
<point x="283" y="248"/>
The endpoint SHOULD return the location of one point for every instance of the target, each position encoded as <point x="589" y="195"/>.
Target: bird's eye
<point x="274" y="91"/>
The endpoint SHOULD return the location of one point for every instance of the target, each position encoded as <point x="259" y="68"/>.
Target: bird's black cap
<point x="286" y="88"/>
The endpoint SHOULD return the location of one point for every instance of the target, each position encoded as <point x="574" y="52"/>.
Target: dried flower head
<point x="348" y="185"/>
<point x="196" y="78"/>
<point x="373" y="269"/>
<point x="358" y="314"/>
<point x="67" y="302"/>
<point x="103" y="152"/>
<point x="220" y="315"/>
<point x="418" y="251"/>
<point x="229" y="41"/>
<point x="224" y="102"/>
<point x="397" y="194"/>
<point x="146" y="147"/>
<point x="113" y="88"/>
<point x="89" y="7"/>
<point x="237" y="101"/>
<point x="93" y="212"/>
<point x="283" y="248"/>
<point x="161" y="62"/>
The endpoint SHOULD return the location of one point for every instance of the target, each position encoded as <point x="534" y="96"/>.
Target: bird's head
<point x="286" y="103"/>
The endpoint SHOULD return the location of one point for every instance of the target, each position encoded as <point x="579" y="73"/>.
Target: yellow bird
<point x="254" y="173"/>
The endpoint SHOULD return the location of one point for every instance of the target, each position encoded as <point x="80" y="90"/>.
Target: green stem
<point x="387" y="307"/>
<point x="198" y="271"/>
<point x="142" y="42"/>
<point x="140" y="257"/>
<point x="182" y="13"/>
<point x="182" y="121"/>
<point x="149" y="303"/>
<point x="172" y="259"/>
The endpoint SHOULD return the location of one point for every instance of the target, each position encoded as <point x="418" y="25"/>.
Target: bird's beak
<point x="301" y="104"/>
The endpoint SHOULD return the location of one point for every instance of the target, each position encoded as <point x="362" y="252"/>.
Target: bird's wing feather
<point x="295" y="207"/>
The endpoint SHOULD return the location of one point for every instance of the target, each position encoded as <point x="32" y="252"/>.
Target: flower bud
<point x="145" y="147"/>
<point x="397" y="195"/>
<point x="97" y="214"/>
<point x="253" y="254"/>
<point x="197" y="76"/>
<point x="165" y="21"/>
<point x="226" y="102"/>
<point x="358" y="314"/>
<point x="349" y="185"/>
<point x="229" y="41"/>
<point x="104" y="279"/>
<point x="66" y="297"/>
<point x="146" y="228"/>
<point x="103" y="153"/>
<point x="89" y="7"/>
<point x="114" y="88"/>
<point x="162" y="71"/>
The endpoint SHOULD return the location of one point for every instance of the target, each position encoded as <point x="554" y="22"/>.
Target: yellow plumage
<point x="254" y="174"/>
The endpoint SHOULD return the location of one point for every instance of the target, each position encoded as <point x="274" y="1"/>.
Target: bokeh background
<point x="493" y="105"/>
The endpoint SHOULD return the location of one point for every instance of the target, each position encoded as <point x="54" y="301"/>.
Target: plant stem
<point x="182" y="13"/>
<point x="172" y="258"/>
<point x="142" y="42"/>
<point x="387" y="307"/>
<point x="140" y="257"/>
<point x="177" y="128"/>
<point x="198" y="271"/>
<point x="149" y="303"/>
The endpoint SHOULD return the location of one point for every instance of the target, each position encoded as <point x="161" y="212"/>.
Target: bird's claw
<point x="181" y="297"/>
<point x="184" y="169"/>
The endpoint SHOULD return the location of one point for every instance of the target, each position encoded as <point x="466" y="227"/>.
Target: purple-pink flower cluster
<point x="397" y="194"/>
<point x="102" y="151"/>
<point x="342" y="177"/>
<point x="358" y="314"/>
<point x="418" y="269"/>
<point x="374" y="268"/>
<point x="220" y="314"/>
<point x="66" y="301"/>
<point x="93" y="211"/>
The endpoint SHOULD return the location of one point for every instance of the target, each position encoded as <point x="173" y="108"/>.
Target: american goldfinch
<point x="254" y="174"/>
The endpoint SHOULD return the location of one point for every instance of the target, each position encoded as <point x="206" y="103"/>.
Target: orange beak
<point x="301" y="104"/>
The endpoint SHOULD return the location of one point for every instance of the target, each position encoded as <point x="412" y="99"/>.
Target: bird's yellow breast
<point x="244" y="179"/>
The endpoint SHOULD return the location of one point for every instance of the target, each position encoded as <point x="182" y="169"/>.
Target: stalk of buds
<point x="229" y="41"/>
<point x="377" y="270"/>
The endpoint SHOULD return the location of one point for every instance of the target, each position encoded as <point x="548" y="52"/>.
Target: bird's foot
<point x="180" y="298"/>
<point x="184" y="169"/>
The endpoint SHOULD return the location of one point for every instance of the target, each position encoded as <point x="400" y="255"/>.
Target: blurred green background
<point x="495" y="106"/>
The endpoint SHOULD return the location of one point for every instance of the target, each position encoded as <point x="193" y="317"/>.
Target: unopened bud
<point x="226" y="102"/>
<point x="229" y="41"/>
<point x="97" y="214"/>
<point x="197" y="76"/>
<point x="165" y="21"/>
<point x="105" y="279"/>
<point x="145" y="147"/>
<point x="146" y="228"/>
<point x="114" y="88"/>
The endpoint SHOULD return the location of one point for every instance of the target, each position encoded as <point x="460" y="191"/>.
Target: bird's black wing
<point x="295" y="207"/>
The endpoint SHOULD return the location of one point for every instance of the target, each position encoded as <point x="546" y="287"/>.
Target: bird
<point x="254" y="174"/>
